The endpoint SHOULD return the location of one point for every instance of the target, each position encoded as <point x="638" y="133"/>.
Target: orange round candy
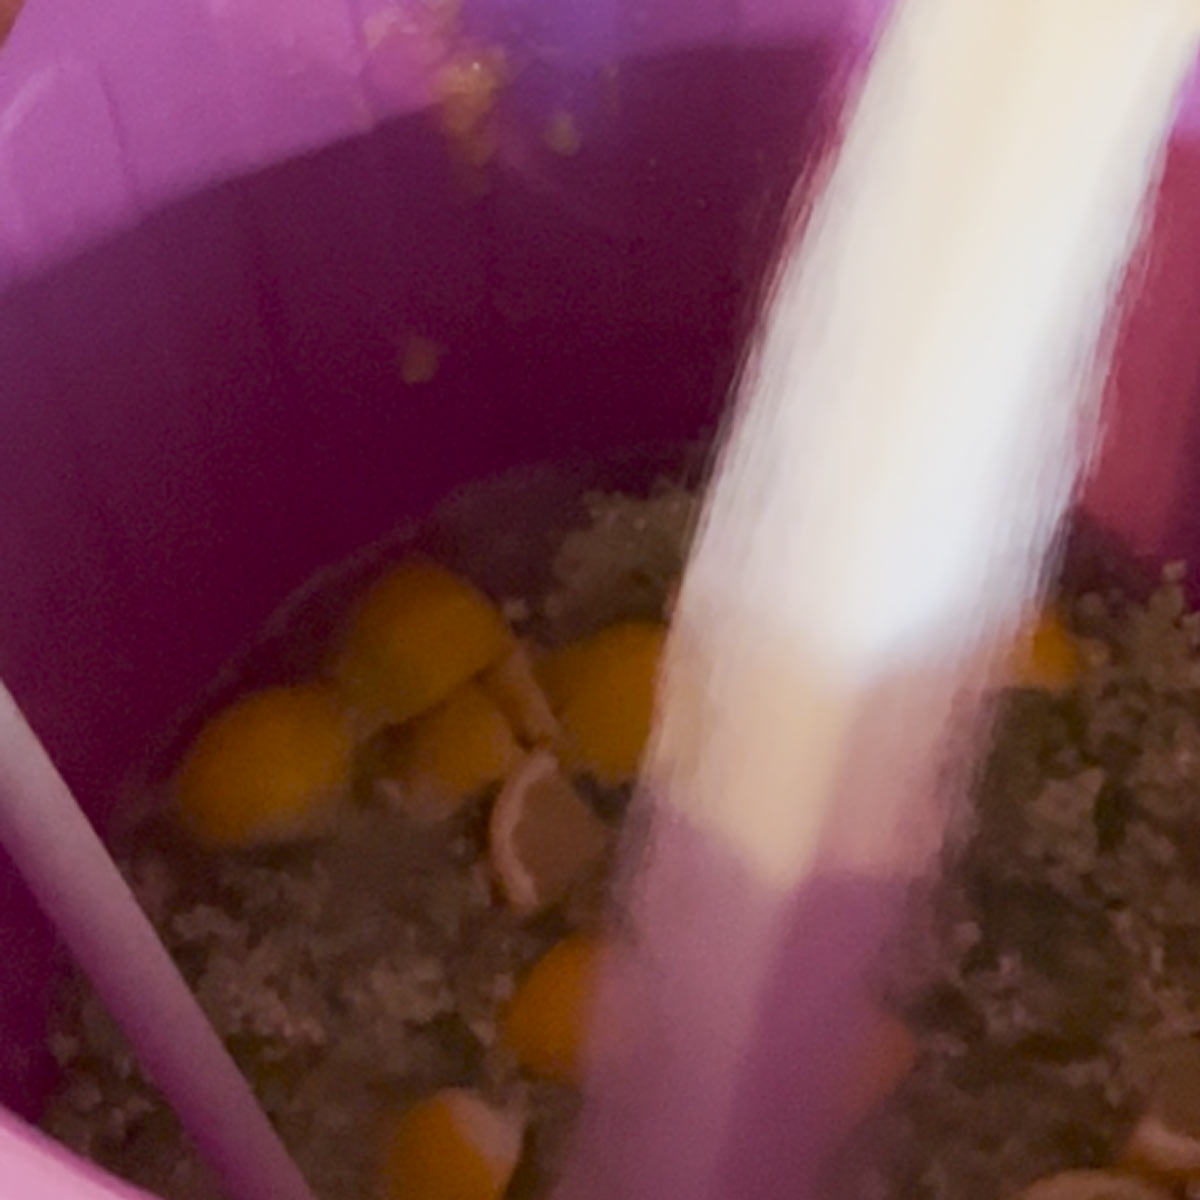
<point x="451" y="1146"/>
<point x="270" y="767"/>
<point x="449" y="754"/>
<point x="419" y="634"/>
<point x="602" y="690"/>
<point x="1047" y="657"/>
<point x="545" y="1025"/>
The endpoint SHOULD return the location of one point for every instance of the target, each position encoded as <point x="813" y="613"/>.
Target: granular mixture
<point x="379" y="967"/>
<point x="403" y="976"/>
<point x="1052" y="979"/>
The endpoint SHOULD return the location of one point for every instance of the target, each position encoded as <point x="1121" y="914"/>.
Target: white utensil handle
<point x="76" y="882"/>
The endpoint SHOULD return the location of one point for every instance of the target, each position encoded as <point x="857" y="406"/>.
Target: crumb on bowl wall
<point x="562" y="134"/>
<point x="468" y="91"/>
<point x="419" y="359"/>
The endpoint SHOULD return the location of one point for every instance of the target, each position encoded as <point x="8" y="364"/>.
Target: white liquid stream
<point x="916" y="415"/>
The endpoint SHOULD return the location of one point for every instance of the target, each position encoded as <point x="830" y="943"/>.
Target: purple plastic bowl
<point x="221" y="219"/>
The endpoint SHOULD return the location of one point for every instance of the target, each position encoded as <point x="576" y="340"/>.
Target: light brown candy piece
<point x="1166" y="1139"/>
<point x="543" y="839"/>
<point x="1093" y="1185"/>
<point x="513" y="688"/>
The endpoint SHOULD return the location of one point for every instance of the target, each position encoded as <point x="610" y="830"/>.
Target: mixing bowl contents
<point x="1052" y="976"/>
<point x="386" y="882"/>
